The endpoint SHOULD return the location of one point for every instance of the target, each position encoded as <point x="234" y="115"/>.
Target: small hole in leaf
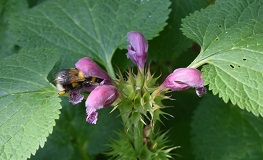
<point x="238" y="66"/>
<point x="231" y="66"/>
<point x="219" y="26"/>
<point x="216" y="39"/>
<point x="244" y="59"/>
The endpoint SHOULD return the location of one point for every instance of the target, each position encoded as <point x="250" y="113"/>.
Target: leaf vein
<point x="95" y="40"/>
<point x="66" y="33"/>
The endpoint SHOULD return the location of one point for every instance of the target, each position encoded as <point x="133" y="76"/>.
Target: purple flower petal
<point x="89" y="68"/>
<point x="75" y="96"/>
<point x="100" y="97"/>
<point x="200" y="91"/>
<point x="184" y="78"/>
<point x="138" y="48"/>
<point x="92" y="116"/>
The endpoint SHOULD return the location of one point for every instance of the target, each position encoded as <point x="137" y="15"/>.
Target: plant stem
<point x="81" y="150"/>
<point x="196" y="64"/>
<point x="109" y="68"/>
<point x="135" y="132"/>
<point x="138" y="136"/>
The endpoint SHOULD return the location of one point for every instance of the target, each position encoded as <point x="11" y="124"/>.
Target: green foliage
<point x="174" y="42"/>
<point x="8" y="8"/>
<point x="157" y="148"/>
<point x="140" y="108"/>
<point x="76" y="29"/>
<point x="89" y="28"/>
<point x="29" y="103"/>
<point x="143" y="102"/>
<point x="222" y="131"/>
<point x="154" y="149"/>
<point x="73" y="138"/>
<point x="126" y="151"/>
<point x="230" y="36"/>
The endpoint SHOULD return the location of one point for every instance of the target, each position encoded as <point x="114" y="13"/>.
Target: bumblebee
<point x="72" y="79"/>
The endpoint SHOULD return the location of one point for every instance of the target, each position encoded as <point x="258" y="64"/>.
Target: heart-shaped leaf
<point x="89" y="28"/>
<point x="29" y="102"/>
<point x="230" y="34"/>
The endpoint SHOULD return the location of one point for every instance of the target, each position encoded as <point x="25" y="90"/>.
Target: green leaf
<point x="89" y="28"/>
<point x="29" y="103"/>
<point x="230" y="35"/>
<point x="223" y="132"/>
<point x="171" y="42"/>
<point x="8" y="8"/>
<point x="74" y="138"/>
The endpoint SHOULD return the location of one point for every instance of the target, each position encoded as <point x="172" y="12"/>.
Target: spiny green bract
<point x="140" y="105"/>
<point x="140" y="98"/>
<point x="157" y="149"/>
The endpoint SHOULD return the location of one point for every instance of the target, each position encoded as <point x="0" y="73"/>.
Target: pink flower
<point x="184" y="78"/>
<point x="100" y="97"/>
<point x="137" y="50"/>
<point x="89" y="69"/>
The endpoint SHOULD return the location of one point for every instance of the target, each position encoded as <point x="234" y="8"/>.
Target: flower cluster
<point x="101" y="95"/>
<point x="141" y="104"/>
<point x="180" y="79"/>
<point x="105" y="93"/>
<point x="140" y="100"/>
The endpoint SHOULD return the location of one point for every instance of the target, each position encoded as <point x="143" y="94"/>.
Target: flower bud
<point x="138" y="48"/>
<point x="184" y="78"/>
<point x="100" y="97"/>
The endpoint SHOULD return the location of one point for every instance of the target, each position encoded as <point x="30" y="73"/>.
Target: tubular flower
<point x="100" y="97"/>
<point x="184" y="78"/>
<point x="138" y="48"/>
<point x="90" y="69"/>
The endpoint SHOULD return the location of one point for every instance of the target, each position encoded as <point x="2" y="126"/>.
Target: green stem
<point x="125" y="121"/>
<point x="81" y="150"/>
<point x="110" y="69"/>
<point x="140" y="79"/>
<point x="195" y="64"/>
<point x="134" y="131"/>
<point x="138" y="136"/>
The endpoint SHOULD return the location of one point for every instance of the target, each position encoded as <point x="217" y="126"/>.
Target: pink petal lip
<point x="75" y="96"/>
<point x="100" y="97"/>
